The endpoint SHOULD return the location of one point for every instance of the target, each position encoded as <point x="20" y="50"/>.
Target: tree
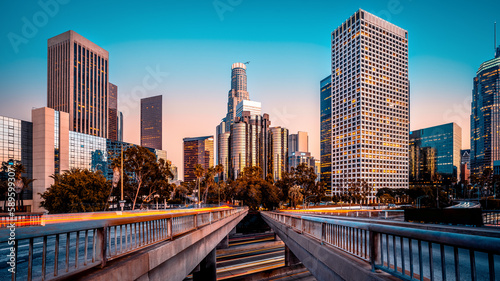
<point x="198" y="173"/>
<point x="75" y="191"/>
<point x="248" y="187"/>
<point x="295" y="195"/>
<point x="21" y="183"/>
<point x="142" y="163"/>
<point x="219" y="169"/>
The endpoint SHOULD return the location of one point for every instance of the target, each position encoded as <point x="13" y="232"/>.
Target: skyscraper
<point x="197" y="151"/>
<point x="120" y="126"/>
<point x="113" y="112"/>
<point x="370" y="97"/>
<point x="151" y="122"/>
<point x="77" y="82"/>
<point x="326" y="131"/>
<point x="485" y="116"/>
<point x="298" y="142"/>
<point x="435" y="154"/>
<point x="278" y="152"/>
<point x="238" y="91"/>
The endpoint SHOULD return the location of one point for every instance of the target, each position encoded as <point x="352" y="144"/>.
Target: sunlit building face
<point x="370" y="103"/>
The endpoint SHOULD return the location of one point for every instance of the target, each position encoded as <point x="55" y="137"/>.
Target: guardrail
<point x="491" y="218"/>
<point x="88" y="244"/>
<point x="404" y="252"/>
<point x="20" y="219"/>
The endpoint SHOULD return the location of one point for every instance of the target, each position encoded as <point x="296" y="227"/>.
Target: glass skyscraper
<point x="151" y="122"/>
<point x="113" y="112"/>
<point x="237" y="93"/>
<point x="326" y="131"/>
<point x="278" y="152"/>
<point x="370" y="103"/>
<point x="16" y="146"/>
<point x="435" y="154"/>
<point x="485" y="116"/>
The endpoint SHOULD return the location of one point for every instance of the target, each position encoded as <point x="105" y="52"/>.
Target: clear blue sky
<point x="286" y="42"/>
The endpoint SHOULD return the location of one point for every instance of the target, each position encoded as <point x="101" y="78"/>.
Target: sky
<point x="184" y="51"/>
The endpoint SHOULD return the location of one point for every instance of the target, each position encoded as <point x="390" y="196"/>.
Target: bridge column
<point x="290" y="258"/>
<point x="207" y="268"/>
<point x="224" y="244"/>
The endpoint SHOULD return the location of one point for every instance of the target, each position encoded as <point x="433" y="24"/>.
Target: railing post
<point x="170" y="230"/>
<point x="195" y="221"/>
<point x="101" y="237"/>
<point x="322" y="233"/>
<point x="374" y="238"/>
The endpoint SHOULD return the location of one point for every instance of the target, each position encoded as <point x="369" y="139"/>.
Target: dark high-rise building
<point x="120" y="126"/>
<point x="113" y="112"/>
<point x="151" y="122"/>
<point x="197" y="151"/>
<point x="326" y="131"/>
<point x="485" y="116"/>
<point x="435" y="154"/>
<point x="237" y="93"/>
<point x="464" y="165"/>
<point x="77" y="82"/>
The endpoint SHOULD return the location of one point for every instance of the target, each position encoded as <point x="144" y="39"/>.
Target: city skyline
<point x="300" y="114"/>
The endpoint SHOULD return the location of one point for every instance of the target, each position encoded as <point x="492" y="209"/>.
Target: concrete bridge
<point x="163" y="246"/>
<point x="349" y="248"/>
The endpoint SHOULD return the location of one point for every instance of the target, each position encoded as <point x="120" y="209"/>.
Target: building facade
<point x="77" y="82"/>
<point x="151" y="122"/>
<point x="485" y="116"/>
<point x="326" y="132"/>
<point x="278" y="152"/>
<point x="370" y="103"/>
<point x="197" y="151"/>
<point x="298" y="142"/>
<point x="435" y="154"/>
<point x="464" y="165"/>
<point x="113" y="112"/>
<point x="238" y="92"/>
<point x="16" y="146"/>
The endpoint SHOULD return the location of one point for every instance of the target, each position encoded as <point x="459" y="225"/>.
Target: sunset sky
<point x="190" y="45"/>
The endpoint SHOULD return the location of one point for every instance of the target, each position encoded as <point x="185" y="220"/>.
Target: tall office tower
<point x="248" y="143"/>
<point x="370" y="97"/>
<point x="326" y="131"/>
<point x="197" y="151"/>
<point x="435" y="154"/>
<point x="113" y="112"/>
<point x="120" y="126"/>
<point x="464" y="165"/>
<point x="77" y="82"/>
<point x="485" y="116"/>
<point x="298" y="142"/>
<point x="238" y="91"/>
<point x="223" y="147"/>
<point x="151" y="122"/>
<point x="278" y="152"/>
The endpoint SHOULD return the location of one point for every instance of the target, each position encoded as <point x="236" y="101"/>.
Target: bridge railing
<point x="62" y="250"/>
<point x="405" y="252"/>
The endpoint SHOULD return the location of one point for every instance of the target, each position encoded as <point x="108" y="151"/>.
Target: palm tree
<point x="295" y="195"/>
<point x="198" y="173"/>
<point x="209" y="181"/>
<point x="219" y="169"/>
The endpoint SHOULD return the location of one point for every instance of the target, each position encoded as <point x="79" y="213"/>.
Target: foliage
<point x="75" y="191"/>
<point x="304" y="177"/>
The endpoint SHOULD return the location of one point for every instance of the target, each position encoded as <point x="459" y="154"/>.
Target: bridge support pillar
<point x="290" y="258"/>
<point x="207" y="268"/>
<point x="224" y="244"/>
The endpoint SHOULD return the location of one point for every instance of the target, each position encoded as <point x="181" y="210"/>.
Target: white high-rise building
<point x="254" y="107"/>
<point x="370" y="103"/>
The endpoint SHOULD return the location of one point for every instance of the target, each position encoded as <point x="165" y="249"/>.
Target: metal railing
<point x="64" y="249"/>
<point x="381" y="214"/>
<point x="20" y="219"/>
<point x="405" y="252"/>
<point x="491" y="218"/>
